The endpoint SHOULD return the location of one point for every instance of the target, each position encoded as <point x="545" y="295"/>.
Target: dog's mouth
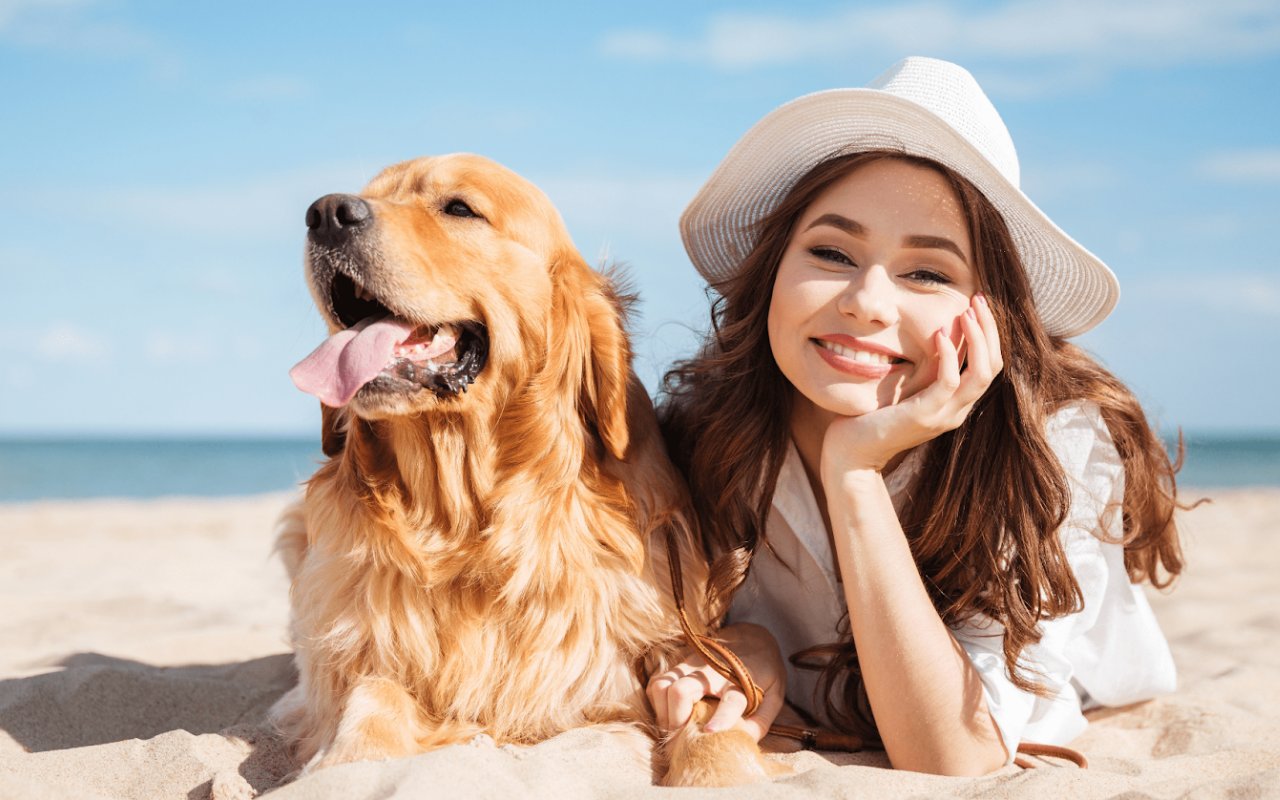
<point x="444" y="359"/>
<point x="379" y="351"/>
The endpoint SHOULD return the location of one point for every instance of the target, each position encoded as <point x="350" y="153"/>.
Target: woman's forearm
<point x="925" y="693"/>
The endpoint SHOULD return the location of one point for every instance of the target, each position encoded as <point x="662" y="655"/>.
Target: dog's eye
<point x="457" y="208"/>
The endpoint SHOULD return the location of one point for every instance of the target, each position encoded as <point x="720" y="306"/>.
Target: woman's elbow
<point x="965" y="762"/>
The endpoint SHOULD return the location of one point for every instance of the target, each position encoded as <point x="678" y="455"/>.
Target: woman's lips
<point x="839" y="353"/>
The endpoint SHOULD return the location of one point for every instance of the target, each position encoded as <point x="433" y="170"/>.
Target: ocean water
<point x="81" y="468"/>
<point x="1239" y="460"/>
<point x="33" y="469"/>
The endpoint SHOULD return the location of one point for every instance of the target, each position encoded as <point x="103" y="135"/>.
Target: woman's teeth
<point x="863" y="356"/>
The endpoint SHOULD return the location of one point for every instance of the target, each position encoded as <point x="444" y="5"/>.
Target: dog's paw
<point x="724" y="758"/>
<point x="230" y="785"/>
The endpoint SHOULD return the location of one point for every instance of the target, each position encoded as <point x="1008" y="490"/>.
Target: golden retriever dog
<point x="484" y="549"/>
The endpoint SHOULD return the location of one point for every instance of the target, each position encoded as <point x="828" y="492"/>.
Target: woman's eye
<point x="830" y="254"/>
<point x="928" y="276"/>
<point x="457" y="208"/>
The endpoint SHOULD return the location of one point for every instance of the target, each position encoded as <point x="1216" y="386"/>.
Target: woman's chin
<point x="844" y="403"/>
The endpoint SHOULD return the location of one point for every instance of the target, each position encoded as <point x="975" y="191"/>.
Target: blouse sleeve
<point x="1112" y="651"/>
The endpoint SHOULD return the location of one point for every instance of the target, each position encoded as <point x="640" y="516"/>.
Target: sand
<point x="141" y="643"/>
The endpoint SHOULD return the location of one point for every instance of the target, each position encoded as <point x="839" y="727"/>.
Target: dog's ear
<point x="333" y="431"/>
<point x="610" y="369"/>
<point x="593" y="318"/>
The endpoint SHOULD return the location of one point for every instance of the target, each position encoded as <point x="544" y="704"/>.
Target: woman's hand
<point x="673" y="693"/>
<point x="870" y="441"/>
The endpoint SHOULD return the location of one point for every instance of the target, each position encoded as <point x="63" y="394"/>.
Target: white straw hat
<point x="922" y="107"/>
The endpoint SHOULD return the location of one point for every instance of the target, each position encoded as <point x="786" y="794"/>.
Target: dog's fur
<point x="491" y="561"/>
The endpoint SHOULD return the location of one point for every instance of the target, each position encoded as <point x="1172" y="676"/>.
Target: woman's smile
<point x="859" y="358"/>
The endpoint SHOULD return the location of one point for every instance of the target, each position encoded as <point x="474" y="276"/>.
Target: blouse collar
<point x="794" y="500"/>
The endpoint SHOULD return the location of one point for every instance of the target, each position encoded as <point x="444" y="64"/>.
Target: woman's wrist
<point x="841" y="454"/>
<point x="852" y="476"/>
<point x="859" y="506"/>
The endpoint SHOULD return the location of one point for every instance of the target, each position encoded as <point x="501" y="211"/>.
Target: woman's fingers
<point x="673" y="696"/>
<point x="657" y="690"/>
<point x="948" y="363"/>
<point x="932" y="402"/>
<point x="947" y="401"/>
<point x="681" y="697"/>
<point x="978" y="375"/>
<point x="674" y="693"/>
<point x="729" y="713"/>
<point x="988" y="321"/>
<point x="758" y="723"/>
<point x="979" y="326"/>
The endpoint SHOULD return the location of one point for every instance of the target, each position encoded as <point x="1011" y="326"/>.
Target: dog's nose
<point x="335" y="217"/>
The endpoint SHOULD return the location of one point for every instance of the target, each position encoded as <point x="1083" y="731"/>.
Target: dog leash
<point x="726" y="662"/>
<point x="721" y="658"/>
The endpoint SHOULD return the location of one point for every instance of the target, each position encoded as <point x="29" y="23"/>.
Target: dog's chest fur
<point x="526" y="616"/>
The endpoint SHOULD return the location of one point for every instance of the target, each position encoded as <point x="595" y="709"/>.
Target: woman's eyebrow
<point x="936" y="242"/>
<point x="919" y="241"/>
<point x="836" y="221"/>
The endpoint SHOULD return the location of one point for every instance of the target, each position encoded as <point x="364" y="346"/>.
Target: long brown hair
<point x="985" y="509"/>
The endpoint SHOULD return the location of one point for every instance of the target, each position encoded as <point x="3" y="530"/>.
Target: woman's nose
<point x="870" y="296"/>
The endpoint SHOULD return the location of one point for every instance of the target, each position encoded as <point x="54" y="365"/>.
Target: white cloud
<point x="166" y="347"/>
<point x="1243" y="166"/>
<point x="640" y="46"/>
<point x="77" y="28"/>
<point x="270" y="88"/>
<point x="1217" y="225"/>
<point x="640" y="204"/>
<point x="1131" y="241"/>
<point x="1086" y="36"/>
<point x="268" y="206"/>
<point x="596" y="207"/>
<point x="13" y="11"/>
<point x="64" y="341"/>
<point x="1047" y="180"/>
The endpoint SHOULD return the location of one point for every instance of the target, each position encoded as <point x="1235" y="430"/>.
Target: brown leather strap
<point x="818" y="739"/>
<point x="727" y="663"/>
<point x="721" y="658"/>
<point x="1050" y="751"/>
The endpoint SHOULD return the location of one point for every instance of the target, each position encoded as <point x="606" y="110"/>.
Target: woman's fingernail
<point x="981" y="298"/>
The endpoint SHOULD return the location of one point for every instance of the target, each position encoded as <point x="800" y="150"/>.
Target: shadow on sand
<point x="97" y="699"/>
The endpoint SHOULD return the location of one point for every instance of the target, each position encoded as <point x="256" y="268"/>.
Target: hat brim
<point x="1073" y="290"/>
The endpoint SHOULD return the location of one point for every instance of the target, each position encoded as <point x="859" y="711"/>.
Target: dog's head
<point x="452" y="281"/>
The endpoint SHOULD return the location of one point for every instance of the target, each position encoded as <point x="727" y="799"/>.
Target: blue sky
<point x="158" y="158"/>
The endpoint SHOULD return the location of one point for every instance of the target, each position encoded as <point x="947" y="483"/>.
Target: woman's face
<point x="876" y="265"/>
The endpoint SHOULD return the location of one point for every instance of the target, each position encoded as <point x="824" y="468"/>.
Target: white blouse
<point x="1110" y="653"/>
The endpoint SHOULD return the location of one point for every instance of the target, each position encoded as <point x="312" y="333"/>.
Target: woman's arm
<point x="925" y="693"/>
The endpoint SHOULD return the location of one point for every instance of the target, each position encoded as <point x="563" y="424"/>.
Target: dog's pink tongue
<point x="349" y="359"/>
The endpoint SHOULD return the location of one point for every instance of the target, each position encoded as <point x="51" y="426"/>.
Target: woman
<point x="891" y="443"/>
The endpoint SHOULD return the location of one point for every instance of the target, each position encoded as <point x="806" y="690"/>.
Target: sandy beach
<point x="141" y="643"/>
